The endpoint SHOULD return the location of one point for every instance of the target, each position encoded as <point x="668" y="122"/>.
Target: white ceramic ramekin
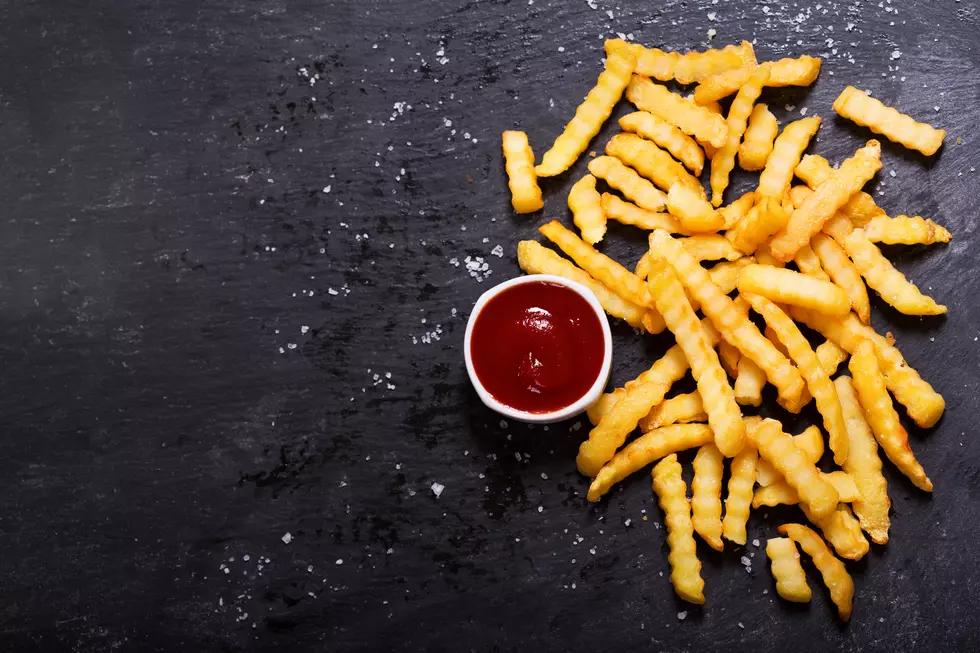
<point x="563" y="413"/>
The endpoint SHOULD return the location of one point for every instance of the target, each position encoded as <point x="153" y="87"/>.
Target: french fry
<point x="859" y="107"/>
<point x="586" y="206"/>
<point x="644" y="265"/>
<point x="844" y="484"/>
<point x="729" y="356"/>
<point x="739" y="499"/>
<point x="589" y="116"/>
<point x="759" y="137"/>
<point x="786" y="153"/>
<point x="723" y="161"/>
<point x="864" y="466"/>
<point x="764" y="257"/>
<point x="650" y="161"/>
<point x="749" y="382"/>
<point x="810" y="444"/>
<point x="629" y="213"/>
<point x="685" y="68"/>
<point x="682" y="409"/>
<point x="604" y="404"/>
<point x="693" y="212"/>
<point x="778" y="448"/>
<point x="843" y="531"/>
<point x="878" y="410"/>
<point x="709" y="149"/>
<point x="785" y="72"/>
<point x="813" y="169"/>
<point x="684" y="148"/>
<point x="706" y="495"/>
<point x="787" y="570"/>
<point x="536" y="259"/>
<point x="770" y="334"/>
<point x="809" y="263"/>
<point x="711" y="247"/>
<point x="519" y="162"/>
<point x="817" y="379"/>
<point x="734" y="212"/>
<point x="924" y="405"/>
<point x="628" y="182"/>
<point x="760" y="223"/>
<point x="725" y="274"/>
<point x="830" y="356"/>
<point x="903" y="230"/>
<point x="833" y="571"/>
<point x="887" y="281"/>
<point x="840" y="268"/>
<point x="780" y="492"/>
<point x="794" y="288"/>
<point x="733" y="326"/>
<point x="690" y="118"/>
<point x="648" y="448"/>
<point x="829" y="196"/>
<point x="685" y="568"/>
<point x="724" y="415"/>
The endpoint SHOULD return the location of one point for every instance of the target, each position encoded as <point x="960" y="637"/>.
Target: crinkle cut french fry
<point x="829" y="196"/>
<point x="723" y="161"/>
<point x="903" y="230"/>
<point x="692" y="210"/>
<point x="706" y="495"/>
<point x="628" y="182"/>
<point x="734" y="327"/>
<point x="887" y="281"/>
<point x="644" y="265"/>
<point x="685" y="68"/>
<point x="729" y="356"/>
<point x="604" y="404"/>
<point x="589" y="116"/>
<point x="830" y="356"/>
<point x="864" y="466"/>
<point x="685" y="568"/>
<point x="780" y="492"/>
<point x="838" y="227"/>
<point x="711" y="247"/>
<point x="650" y="161"/>
<point x="924" y="405"/>
<point x="880" y="413"/>
<point x="709" y="149"/>
<point x="684" y="148"/>
<point x="833" y="571"/>
<point x="810" y="444"/>
<point x="859" y="107"/>
<point x="764" y="257"/>
<point x="817" y="379"/>
<point x="785" y="72"/>
<point x="787" y="570"/>
<point x="749" y="383"/>
<point x="536" y="259"/>
<point x="793" y="288"/>
<point x="759" y="224"/>
<point x="738" y="209"/>
<point x="786" y="152"/>
<point x="724" y="415"/>
<point x="519" y="162"/>
<point x="690" y="118"/>
<point x="648" y="448"/>
<point x="778" y="448"/>
<point x="682" y="409"/>
<point x="759" y="137"/>
<point x="629" y="213"/>
<point x="809" y="263"/>
<point x="586" y="206"/>
<point x="725" y="274"/>
<point x="813" y="169"/>
<point x="842" y="530"/>
<point x="739" y="500"/>
<point x="843" y="273"/>
<point x="844" y="484"/>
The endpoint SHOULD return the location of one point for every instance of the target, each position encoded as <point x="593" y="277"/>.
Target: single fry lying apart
<point x="690" y="118"/>
<point x="759" y="224"/>
<point x="785" y="72"/>
<point x="628" y="182"/>
<point x="650" y="161"/>
<point x="881" y="415"/>
<point x="813" y="169"/>
<point x="864" y="465"/>
<point x="693" y="212"/>
<point x="794" y="288"/>
<point x="685" y="568"/>
<point x="843" y="273"/>
<point x="739" y="499"/>
<point x="759" y="138"/>
<point x="859" y="107"/>
<point x="787" y="570"/>
<point x="903" y="230"/>
<point x="628" y="213"/>
<point x="684" y="148"/>
<point x="829" y="196"/>
<point x="586" y="206"/>
<point x="887" y="281"/>
<point x="711" y="247"/>
<point x="685" y="68"/>
<point x="706" y="495"/>
<point x="525" y="195"/>
<point x="590" y="115"/>
<point x="834" y="573"/>
<point x="682" y="409"/>
<point x="786" y="153"/>
<point x="723" y="162"/>
<point x="724" y="415"/>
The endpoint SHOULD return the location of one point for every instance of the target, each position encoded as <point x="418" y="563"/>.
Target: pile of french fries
<point x="792" y="254"/>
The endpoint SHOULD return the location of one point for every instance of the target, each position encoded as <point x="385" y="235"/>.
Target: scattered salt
<point x="437" y="489"/>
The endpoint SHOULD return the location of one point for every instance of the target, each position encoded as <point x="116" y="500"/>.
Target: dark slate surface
<point x="190" y="327"/>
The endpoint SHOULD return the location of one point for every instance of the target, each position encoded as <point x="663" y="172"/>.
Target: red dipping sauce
<point x="537" y="347"/>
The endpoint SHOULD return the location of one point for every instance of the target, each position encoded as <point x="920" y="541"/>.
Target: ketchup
<point x="537" y="347"/>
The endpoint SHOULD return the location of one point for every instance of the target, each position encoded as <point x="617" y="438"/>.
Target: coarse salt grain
<point x="437" y="489"/>
<point x="682" y="615"/>
<point x="287" y="538"/>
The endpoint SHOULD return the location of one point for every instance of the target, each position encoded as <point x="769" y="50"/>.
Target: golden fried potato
<point x="706" y="495"/>
<point x="759" y="138"/>
<point x="786" y="153"/>
<point x="725" y="274"/>
<point x="685" y="568"/>
<point x="810" y="444"/>
<point x="761" y="222"/>
<point x="859" y="107"/>
<point x="711" y="247"/>
<point x="787" y="570"/>
<point x="814" y="170"/>
<point x="685" y="68"/>
<point x="729" y="356"/>
<point x="778" y="448"/>
<point x="840" y="268"/>
<point x="749" y="382"/>
<point x="684" y="148"/>
<point x="739" y="499"/>
<point x="794" y="288"/>
<point x="697" y="121"/>
<point x="682" y="409"/>
<point x="830" y="356"/>
<point x="843" y="531"/>
<point x="628" y="213"/>
<point x="519" y="162"/>
<point x="586" y="206"/>
<point x="723" y="161"/>
<point x="628" y="182"/>
<point x="834" y="573"/>
<point x="651" y="162"/>
<point x="693" y="211"/>
<point x="903" y="230"/>
<point x="734" y="212"/>
<point x="785" y="72"/>
<point x="809" y="263"/>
